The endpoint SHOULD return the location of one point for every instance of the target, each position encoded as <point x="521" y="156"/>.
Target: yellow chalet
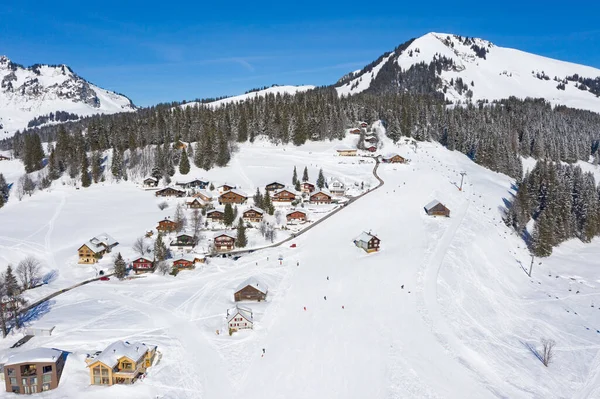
<point x="121" y="362"/>
<point x="95" y="248"/>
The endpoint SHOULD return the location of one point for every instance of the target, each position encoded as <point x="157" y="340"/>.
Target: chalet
<point x="183" y="241"/>
<point x="142" y="265"/>
<point x="368" y="242"/>
<point x="240" y="319"/>
<point x="346" y="152"/>
<point x="320" y="197"/>
<point x="34" y="371"/>
<point x="370" y="147"/>
<point x="296" y="216"/>
<point x="150" y="182"/>
<point x="215" y="215"/>
<point x="170" y="192"/>
<point x="275" y="186"/>
<point x="307" y="187"/>
<point x="225" y="187"/>
<point x="251" y="290"/>
<point x="393" y="158"/>
<point x="233" y="196"/>
<point x="364" y="125"/>
<point x="179" y="145"/>
<point x="195" y="183"/>
<point x="372" y="139"/>
<point x="253" y="214"/>
<point x="196" y="203"/>
<point x="224" y="242"/>
<point x="355" y="131"/>
<point x="187" y="261"/>
<point x="121" y="362"/>
<point x="336" y="187"/>
<point x="436" y="208"/>
<point x="203" y="195"/>
<point x="166" y="226"/>
<point x="283" y="195"/>
<point x="95" y="248"/>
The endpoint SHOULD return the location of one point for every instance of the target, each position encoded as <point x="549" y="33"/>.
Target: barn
<point x="436" y="208"/>
<point x="251" y="290"/>
<point x="368" y="242"/>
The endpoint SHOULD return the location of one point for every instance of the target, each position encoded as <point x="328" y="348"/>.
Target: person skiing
<point x="263" y="351"/>
<point x="325" y="297"/>
<point x="402" y="286"/>
<point x="305" y="308"/>
<point x="327" y="278"/>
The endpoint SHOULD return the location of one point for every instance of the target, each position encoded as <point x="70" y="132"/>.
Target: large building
<point x="121" y="362"/>
<point x="33" y="371"/>
<point x="93" y="250"/>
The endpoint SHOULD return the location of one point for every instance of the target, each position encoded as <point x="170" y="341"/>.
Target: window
<point x="16" y="389"/>
<point x="23" y="381"/>
<point x="13" y="381"/>
<point x="47" y="369"/>
<point x="46" y="387"/>
<point x="97" y="381"/>
<point x="96" y="370"/>
<point x="47" y="378"/>
<point x="33" y="380"/>
<point x="104" y="372"/>
<point x="10" y="371"/>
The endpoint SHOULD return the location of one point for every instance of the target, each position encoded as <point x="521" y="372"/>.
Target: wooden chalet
<point x="346" y="152"/>
<point x="368" y="242"/>
<point x="320" y="197"/>
<point x="224" y="243"/>
<point x="355" y="131"/>
<point x="371" y="139"/>
<point x="393" y="158"/>
<point x="225" y="187"/>
<point x="296" y="216"/>
<point x="195" y="183"/>
<point x="170" y="192"/>
<point x="166" y="226"/>
<point x="307" y="187"/>
<point x="195" y="203"/>
<point x="253" y="214"/>
<point x="364" y="125"/>
<point x="240" y="319"/>
<point x="142" y="265"/>
<point x="179" y="145"/>
<point x="183" y="241"/>
<point x="283" y="195"/>
<point x="215" y="215"/>
<point x="122" y="362"/>
<point x="370" y="147"/>
<point x="93" y="250"/>
<point x="436" y="208"/>
<point x="203" y="195"/>
<point x="275" y="186"/>
<point x="233" y="196"/>
<point x="150" y="182"/>
<point x="251" y="290"/>
<point x="187" y="261"/>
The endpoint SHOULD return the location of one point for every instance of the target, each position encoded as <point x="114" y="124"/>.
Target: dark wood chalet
<point x="215" y="215"/>
<point x="166" y="226"/>
<point x="170" y="192"/>
<point x="3" y="158"/>
<point x="307" y="187"/>
<point x="371" y="139"/>
<point x="354" y="131"/>
<point x="187" y="261"/>
<point x="368" y="242"/>
<point x="195" y="204"/>
<point x="203" y="195"/>
<point x="253" y="214"/>
<point x="183" y="241"/>
<point x="370" y="148"/>
<point x="274" y="186"/>
<point x="436" y="208"/>
<point x="196" y="183"/>
<point x="251" y="290"/>
<point x="296" y="216"/>
<point x="150" y="182"/>
<point x="393" y="158"/>
<point x="233" y="197"/>
<point x="283" y="196"/>
<point x="225" y="187"/>
<point x="142" y="265"/>
<point x="320" y="197"/>
<point x="224" y="242"/>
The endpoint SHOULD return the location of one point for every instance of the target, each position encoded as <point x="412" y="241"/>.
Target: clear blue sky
<point x="185" y="50"/>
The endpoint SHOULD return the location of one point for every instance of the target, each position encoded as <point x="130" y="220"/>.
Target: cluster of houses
<point x="40" y="369"/>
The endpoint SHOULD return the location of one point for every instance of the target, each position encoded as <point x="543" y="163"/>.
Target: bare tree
<point x="262" y="228"/>
<point x="278" y="217"/>
<point x="163" y="205"/>
<point x="29" y="272"/>
<point x="179" y="218"/>
<point x="141" y="246"/>
<point x="197" y="223"/>
<point x="163" y="267"/>
<point x="271" y="233"/>
<point x="547" y="351"/>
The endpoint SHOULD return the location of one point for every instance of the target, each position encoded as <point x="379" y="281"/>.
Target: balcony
<point x="27" y="371"/>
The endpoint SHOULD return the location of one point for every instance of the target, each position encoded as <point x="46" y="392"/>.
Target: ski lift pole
<point x="462" y="176"/>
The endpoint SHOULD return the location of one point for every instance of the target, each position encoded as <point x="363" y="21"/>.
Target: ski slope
<point x="465" y="324"/>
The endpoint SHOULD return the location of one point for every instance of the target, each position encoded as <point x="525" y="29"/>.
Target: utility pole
<point x="462" y="176"/>
<point x="531" y="266"/>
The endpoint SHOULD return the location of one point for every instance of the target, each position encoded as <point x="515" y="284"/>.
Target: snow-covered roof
<point x="391" y="155"/>
<point x="255" y="209"/>
<point x="226" y="184"/>
<point x="364" y="237"/>
<point x="294" y="211"/>
<point x="188" y="257"/>
<point x="343" y="149"/>
<point x="105" y="239"/>
<point x="254" y="283"/>
<point x="244" y="312"/>
<point x="151" y="178"/>
<point x="204" y="193"/>
<point x="275" y="182"/>
<point x="322" y="191"/>
<point x="42" y="355"/>
<point x="115" y="351"/>
<point x="432" y="204"/>
<point x="213" y="211"/>
<point x="236" y="191"/>
<point x="226" y="235"/>
<point x="284" y="189"/>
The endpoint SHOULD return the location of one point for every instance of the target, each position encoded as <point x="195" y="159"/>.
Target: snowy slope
<point x="502" y="73"/>
<point x="260" y="93"/>
<point x="26" y="93"/>
<point x="465" y="324"/>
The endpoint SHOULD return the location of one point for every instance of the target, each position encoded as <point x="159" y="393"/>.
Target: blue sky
<point x="185" y="50"/>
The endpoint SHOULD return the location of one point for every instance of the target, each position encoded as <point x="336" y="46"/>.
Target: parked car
<point x="104" y="278"/>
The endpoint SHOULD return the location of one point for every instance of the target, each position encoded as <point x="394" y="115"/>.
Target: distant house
<point x="95" y="248"/>
<point x="166" y="226"/>
<point x="195" y="183"/>
<point x="320" y="197"/>
<point x="364" y="125"/>
<point x="203" y="195"/>
<point x="150" y="182"/>
<point x="170" y="192"/>
<point x="183" y="241"/>
<point x="307" y="187"/>
<point x="142" y="265"/>
<point x="283" y="195"/>
<point x="337" y="187"/>
<point x="121" y="362"/>
<point x="179" y="145"/>
<point x="253" y="214"/>
<point x="370" y="147"/>
<point x="196" y="203"/>
<point x="296" y="216"/>
<point x="251" y="290"/>
<point x="274" y="186"/>
<point x="215" y="215"/>
<point x="240" y="319"/>
<point x="233" y="196"/>
<point x="393" y="158"/>
<point x="368" y="242"/>
<point x="436" y="208"/>
<point x="224" y="242"/>
<point x="354" y="131"/>
<point x="34" y="371"/>
<point x="187" y="261"/>
<point x="346" y="152"/>
<point x="225" y="187"/>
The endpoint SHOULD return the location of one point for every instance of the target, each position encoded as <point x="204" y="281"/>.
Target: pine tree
<point x="542" y="239"/>
<point x="241" y="241"/>
<point x="184" y="163"/>
<point x="228" y="216"/>
<point x="297" y="186"/>
<point x="4" y="190"/>
<point x="85" y="175"/>
<point x="294" y="177"/>
<point x="96" y="166"/>
<point x="321" y="179"/>
<point x="179" y="218"/>
<point x="258" y="198"/>
<point x="10" y="282"/>
<point x="160" y="249"/>
<point x="268" y="204"/>
<point x="116" y="166"/>
<point x="305" y="175"/>
<point x="120" y="267"/>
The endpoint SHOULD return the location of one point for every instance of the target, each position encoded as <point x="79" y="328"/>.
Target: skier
<point x="402" y="286"/>
<point x="305" y="308"/>
<point x="298" y="263"/>
<point x="327" y="278"/>
<point x="263" y="351"/>
<point x="325" y="297"/>
<point x="343" y="307"/>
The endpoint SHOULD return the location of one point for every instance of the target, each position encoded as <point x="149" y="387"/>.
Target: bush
<point x="163" y="205"/>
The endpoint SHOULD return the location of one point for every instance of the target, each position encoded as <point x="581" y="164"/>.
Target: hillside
<point x="275" y="90"/>
<point x="463" y="69"/>
<point x="27" y="93"/>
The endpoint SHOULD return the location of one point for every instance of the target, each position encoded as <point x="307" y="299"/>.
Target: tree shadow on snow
<point x="532" y="349"/>
<point x="37" y="312"/>
<point x="50" y="277"/>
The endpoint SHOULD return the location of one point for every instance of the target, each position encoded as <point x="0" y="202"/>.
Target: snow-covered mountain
<point x="27" y="93"/>
<point x="463" y="69"/>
